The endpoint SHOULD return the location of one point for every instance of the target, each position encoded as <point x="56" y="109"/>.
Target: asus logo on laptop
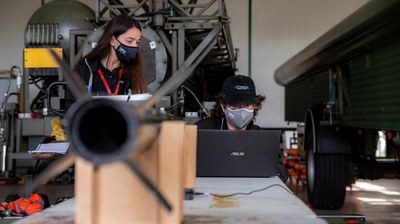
<point x="237" y="153"/>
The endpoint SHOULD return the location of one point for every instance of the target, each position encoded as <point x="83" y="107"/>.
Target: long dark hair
<point x="135" y="70"/>
<point x="220" y="99"/>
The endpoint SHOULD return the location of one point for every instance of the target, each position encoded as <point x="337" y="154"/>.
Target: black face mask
<point x="125" y="54"/>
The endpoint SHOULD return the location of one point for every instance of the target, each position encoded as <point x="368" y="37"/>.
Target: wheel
<point x="65" y="178"/>
<point x="326" y="173"/>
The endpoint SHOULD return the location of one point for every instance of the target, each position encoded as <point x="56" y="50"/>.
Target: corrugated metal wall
<point x="375" y="87"/>
<point x="303" y="93"/>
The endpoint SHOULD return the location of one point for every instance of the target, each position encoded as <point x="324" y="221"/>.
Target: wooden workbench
<point x="272" y="205"/>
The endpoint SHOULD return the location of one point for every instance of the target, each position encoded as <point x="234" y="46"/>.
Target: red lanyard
<point x="106" y="83"/>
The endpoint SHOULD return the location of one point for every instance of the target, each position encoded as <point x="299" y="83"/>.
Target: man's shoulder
<point x="253" y="126"/>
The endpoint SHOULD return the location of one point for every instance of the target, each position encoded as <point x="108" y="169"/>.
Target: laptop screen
<point x="249" y="153"/>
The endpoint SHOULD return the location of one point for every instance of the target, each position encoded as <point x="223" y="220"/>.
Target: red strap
<point x="106" y="83"/>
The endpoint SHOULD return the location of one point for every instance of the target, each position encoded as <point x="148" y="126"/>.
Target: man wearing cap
<point x="236" y="106"/>
<point x="235" y="109"/>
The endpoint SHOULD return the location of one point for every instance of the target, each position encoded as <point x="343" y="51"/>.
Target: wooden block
<point x="123" y="198"/>
<point x="171" y="169"/>
<point x="189" y="156"/>
<point x="84" y="183"/>
<point x="112" y="193"/>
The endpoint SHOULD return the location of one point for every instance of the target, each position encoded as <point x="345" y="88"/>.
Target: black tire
<point x="327" y="190"/>
<point x="65" y="178"/>
<point x="326" y="173"/>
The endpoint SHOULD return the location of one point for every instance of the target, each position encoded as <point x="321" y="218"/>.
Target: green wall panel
<point x="303" y="93"/>
<point x="375" y="87"/>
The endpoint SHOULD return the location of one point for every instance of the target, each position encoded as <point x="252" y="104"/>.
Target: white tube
<point x="3" y="158"/>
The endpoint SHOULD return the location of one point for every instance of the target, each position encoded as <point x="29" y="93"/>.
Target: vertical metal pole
<point x="97" y="11"/>
<point x="181" y="61"/>
<point x="158" y="19"/>
<point x="3" y="138"/>
<point x="3" y="157"/>
<point x="250" y="35"/>
<point x="72" y="44"/>
<point x="174" y="51"/>
<point x="175" y="43"/>
<point x="25" y="99"/>
<point x="181" y="47"/>
<point x="220" y="8"/>
<point x="11" y="142"/>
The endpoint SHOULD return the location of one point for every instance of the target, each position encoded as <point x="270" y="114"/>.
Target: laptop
<point x="248" y="153"/>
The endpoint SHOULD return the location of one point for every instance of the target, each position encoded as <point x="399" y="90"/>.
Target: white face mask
<point x="239" y="118"/>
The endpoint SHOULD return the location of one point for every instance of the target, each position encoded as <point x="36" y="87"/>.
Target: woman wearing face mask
<point x="236" y="106"/>
<point x="114" y="66"/>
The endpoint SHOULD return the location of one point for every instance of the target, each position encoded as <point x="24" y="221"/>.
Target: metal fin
<point x="146" y="181"/>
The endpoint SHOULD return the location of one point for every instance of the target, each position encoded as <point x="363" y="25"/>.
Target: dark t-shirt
<point x="220" y="123"/>
<point x="90" y="67"/>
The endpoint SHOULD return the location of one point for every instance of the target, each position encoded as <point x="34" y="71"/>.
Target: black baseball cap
<point x="239" y="89"/>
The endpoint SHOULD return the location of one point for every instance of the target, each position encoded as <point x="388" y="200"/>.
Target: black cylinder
<point x="101" y="130"/>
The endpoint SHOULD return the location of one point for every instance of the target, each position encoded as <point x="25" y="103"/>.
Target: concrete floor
<point x="378" y="200"/>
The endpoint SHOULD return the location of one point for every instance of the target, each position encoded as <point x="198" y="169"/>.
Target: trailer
<point x="345" y="88"/>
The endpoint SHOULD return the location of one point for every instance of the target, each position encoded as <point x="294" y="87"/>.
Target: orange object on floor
<point x="24" y="206"/>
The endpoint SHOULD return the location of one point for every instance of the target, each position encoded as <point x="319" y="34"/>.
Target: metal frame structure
<point x="193" y="31"/>
<point x="195" y="34"/>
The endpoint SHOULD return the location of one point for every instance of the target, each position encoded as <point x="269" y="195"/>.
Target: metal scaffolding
<point x="194" y="32"/>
